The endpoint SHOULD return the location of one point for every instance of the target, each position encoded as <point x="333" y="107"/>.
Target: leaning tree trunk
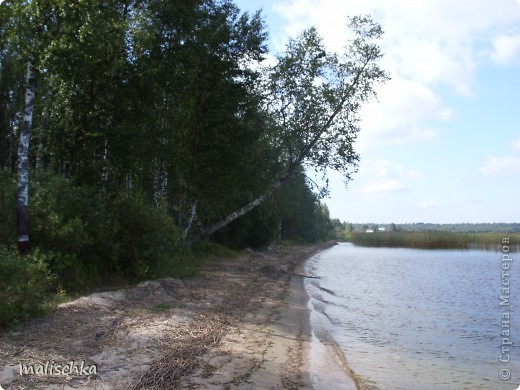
<point x="242" y="211"/>
<point x="23" y="163"/>
<point x="193" y="213"/>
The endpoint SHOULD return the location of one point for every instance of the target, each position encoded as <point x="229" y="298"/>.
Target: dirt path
<point x="241" y="323"/>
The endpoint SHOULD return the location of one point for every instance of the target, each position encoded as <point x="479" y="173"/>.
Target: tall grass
<point x="436" y="240"/>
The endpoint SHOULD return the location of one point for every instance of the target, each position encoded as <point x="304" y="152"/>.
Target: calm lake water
<point x="413" y="319"/>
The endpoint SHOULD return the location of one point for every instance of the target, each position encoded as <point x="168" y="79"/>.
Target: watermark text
<point x="504" y="303"/>
<point x="52" y="368"/>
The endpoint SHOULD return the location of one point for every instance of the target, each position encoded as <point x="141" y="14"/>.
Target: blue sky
<point x="442" y="143"/>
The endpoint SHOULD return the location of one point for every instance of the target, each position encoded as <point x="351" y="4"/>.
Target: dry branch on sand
<point x="185" y="349"/>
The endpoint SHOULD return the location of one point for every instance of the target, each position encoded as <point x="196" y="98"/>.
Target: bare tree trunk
<point x="160" y="184"/>
<point x="104" y="169"/>
<point x="129" y="182"/>
<point x="23" y="163"/>
<point x="242" y="211"/>
<point x="190" y="219"/>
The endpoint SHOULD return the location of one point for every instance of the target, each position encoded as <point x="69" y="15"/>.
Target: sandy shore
<point x="242" y="323"/>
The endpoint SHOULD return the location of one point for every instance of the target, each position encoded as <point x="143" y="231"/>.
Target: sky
<point x="441" y="143"/>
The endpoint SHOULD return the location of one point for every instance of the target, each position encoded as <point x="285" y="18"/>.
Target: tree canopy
<point x="155" y="124"/>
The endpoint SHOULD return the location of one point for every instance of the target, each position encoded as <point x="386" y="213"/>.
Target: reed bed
<point x="438" y="240"/>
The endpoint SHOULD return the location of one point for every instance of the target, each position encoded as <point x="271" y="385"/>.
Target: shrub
<point x="24" y="282"/>
<point x="145" y="238"/>
<point x="96" y="239"/>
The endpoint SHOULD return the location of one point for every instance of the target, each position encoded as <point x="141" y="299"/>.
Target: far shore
<point x="241" y="323"/>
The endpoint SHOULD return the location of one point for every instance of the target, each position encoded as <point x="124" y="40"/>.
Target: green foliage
<point x="145" y="238"/>
<point x="315" y="97"/>
<point x="257" y="229"/>
<point x="67" y="220"/>
<point x="302" y="217"/>
<point x="24" y="282"/>
<point x="94" y="239"/>
<point x="186" y="262"/>
<point x="208" y="250"/>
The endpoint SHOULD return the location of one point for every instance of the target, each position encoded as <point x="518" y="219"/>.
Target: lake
<point x="413" y="319"/>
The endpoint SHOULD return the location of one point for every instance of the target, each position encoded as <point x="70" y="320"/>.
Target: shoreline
<point x="326" y="357"/>
<point x="242" y="323"/>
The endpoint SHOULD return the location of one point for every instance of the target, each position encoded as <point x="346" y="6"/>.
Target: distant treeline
<point x="422" y="227"/>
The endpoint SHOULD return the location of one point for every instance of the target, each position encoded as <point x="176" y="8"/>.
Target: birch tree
<point x="199" y="102"/>
<point x="21" y="34"/>
<point x="314" y="97"/>
<point x="23" y="161"/>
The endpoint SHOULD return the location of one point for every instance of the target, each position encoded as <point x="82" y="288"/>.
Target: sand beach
<point x="242" y="323"/>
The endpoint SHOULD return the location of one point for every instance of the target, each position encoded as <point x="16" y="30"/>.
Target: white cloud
<point x="500" y="166"/>
<point x="428" y="41"/>
<point x="428" y="204"/>
<point x="506" y="50"/>
<point x="515" y="144"/>
<point x="400" y="113"/>
<point x="504" y="165"/>
<point x="427" y="44"/>
<point x="383" y="176"/>
<point x="381" y="186"/>
<point x="384" y="168"/>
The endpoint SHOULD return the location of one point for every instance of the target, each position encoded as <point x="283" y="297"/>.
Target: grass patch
<point x="187" y="262"/>
<point x="292" y="243"/>
<point x="208" y="250"/>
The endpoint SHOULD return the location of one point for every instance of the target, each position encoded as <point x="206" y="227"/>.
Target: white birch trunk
<point x="242" y="211"/>
<point x="190" y="219"/>
<point x="23" y="162"/>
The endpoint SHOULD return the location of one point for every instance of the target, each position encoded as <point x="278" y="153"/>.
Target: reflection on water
<point x="415" y="319"/>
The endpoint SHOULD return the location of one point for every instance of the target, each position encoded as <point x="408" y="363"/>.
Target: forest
<point x="133" y="133"/>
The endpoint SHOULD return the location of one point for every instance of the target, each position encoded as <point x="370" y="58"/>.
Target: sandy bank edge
<point x="286" y="362"/>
